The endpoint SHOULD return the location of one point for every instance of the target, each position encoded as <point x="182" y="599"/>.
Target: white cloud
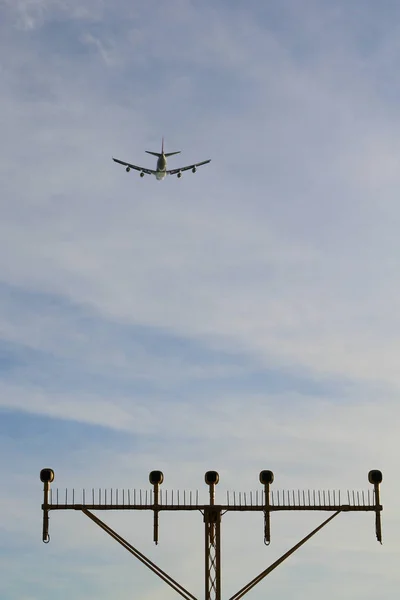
<point x="33" y="14"/>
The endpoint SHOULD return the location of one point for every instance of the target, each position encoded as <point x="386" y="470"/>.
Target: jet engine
<point x="179" y="175"/>
<point x="194" y="170"/>
<point x="128" y="169"/>
<point x="141" y="174"/>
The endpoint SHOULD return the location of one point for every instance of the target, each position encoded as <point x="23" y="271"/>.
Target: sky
<point x="239" y="319"/>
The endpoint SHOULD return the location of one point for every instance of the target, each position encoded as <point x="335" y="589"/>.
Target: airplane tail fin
<point x="158" y="154"/>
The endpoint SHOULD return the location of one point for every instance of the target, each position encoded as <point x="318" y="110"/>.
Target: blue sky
<point x="241" y="319"/>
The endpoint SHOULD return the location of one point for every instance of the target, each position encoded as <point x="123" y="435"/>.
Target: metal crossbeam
<point x="266" y="502"/>
<point x="170" y="499"/>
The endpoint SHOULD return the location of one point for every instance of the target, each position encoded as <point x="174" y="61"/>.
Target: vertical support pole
<point x="375" y="477"/>
<point x="156" y="478"/>
<point x="212" y="526"/>
<point x="46" y="476"/>
<point x="212" y="521"/>
<point x="266" y="478"/>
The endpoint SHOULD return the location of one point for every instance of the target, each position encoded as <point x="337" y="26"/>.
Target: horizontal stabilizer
<point x="158" y="154"/>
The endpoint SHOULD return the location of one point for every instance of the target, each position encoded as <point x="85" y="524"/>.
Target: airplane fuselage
<point x="161" y="167"/>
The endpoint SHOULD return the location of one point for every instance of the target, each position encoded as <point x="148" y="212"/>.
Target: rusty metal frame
<point x="212" y="515"/>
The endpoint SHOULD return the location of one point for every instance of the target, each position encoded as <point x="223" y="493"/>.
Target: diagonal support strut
<point x="143" y="559"/>
<point x="280" y="560"/>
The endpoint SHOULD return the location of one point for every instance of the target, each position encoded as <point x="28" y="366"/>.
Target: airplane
<point x="161" y="170"/>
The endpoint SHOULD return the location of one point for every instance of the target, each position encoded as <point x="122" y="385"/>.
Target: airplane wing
<point x="193" y="167"/>
<point x="129" y="166"/>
